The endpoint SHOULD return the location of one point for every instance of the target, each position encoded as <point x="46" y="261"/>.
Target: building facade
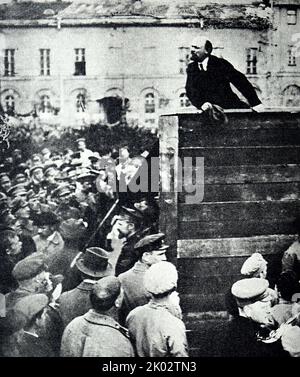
<point x="59" y="58"/>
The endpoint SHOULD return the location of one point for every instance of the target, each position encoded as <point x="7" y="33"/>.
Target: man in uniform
<point x="150" y="250"/>
<point x="247" y="333"/>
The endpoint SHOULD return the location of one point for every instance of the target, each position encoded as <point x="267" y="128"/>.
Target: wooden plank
<point x="201" y="137"/>
<point x="241" y="120"/>
<point x="239" y="211"/>
<point x="247" y="174"/>
<point x="248" y="192"/>
<point x="209" y="266"/>
<point x="202" y="302"/>
<point x="237" y="248"/>
<point x="207" y="284"/>
<point x="168" y="151"/>
<point x="232" y="156"/>
<point x="228" y="229"/>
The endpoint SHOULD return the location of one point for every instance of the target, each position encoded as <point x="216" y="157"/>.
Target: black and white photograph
<point x="150" y="181"/>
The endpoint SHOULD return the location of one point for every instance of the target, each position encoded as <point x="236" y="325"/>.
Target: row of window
<point x="80" y="60"/>
<point x="45" y="106"/>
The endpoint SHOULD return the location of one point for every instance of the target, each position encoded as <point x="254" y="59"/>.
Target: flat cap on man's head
<point x="253" y="264"/>
<point x="29" y="267"/>
<point x="161" y="278"/>
<point x="248" y="291"/>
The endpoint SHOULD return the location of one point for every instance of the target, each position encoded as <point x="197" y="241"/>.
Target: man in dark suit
<point x="209" y="78"/>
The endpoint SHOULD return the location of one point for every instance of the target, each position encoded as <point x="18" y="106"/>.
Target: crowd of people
<point x="84" y="269"/>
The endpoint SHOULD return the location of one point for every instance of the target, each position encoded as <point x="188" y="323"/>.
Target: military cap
<point x="160" y="278"/>
<point x="45" y="151"/>
<point x="291" y="340"/>
<point x="29" y="267"/>
<point x="130" y="213"/>
<point x="36" y="158"/>
<point x="46" y="218"/>
<point x="253" y="264"/>
<point x="20" y="178"/>
<point x="17" y="190"/>
<point x="72" y="229"/>
<point x="4" y="177"/>
<point x="86" y="176"/>
<point x="61" y="191"/>
<point x="80" y="139"/>
<point x="49" y="167"/>
<point x="248" y="291"/>
<point x="107" y="288"/>
<point x="18" y="203"/>
<point x="35" y="167"/>
<point x="151" y="242"/>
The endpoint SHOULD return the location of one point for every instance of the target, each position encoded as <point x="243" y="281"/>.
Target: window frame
<point x="45" y="62"/>
<point x="251" y="60"/>
<point x="9" y="62"/>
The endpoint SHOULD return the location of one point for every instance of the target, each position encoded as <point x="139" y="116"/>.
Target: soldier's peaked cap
<point x="152" y="242"/>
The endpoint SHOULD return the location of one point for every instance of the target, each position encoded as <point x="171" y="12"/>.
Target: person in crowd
<point x="72" y="232"/>
<point x="255" y="266"/>
<point x="93" y="265"/>
<point x="50" y="172"/>
<point x="209" y="79"/>
<point x="126" y="227"/>
<point x="10" y="250"/>
<point x="96" y="333"/>
<point x="48" y="241"/>
<point x="291" y="257"/>
<point x="5" y="183"/>
<point x="85" y="153"/>
<point x="150" y="250"/>
<point x="21" y="210"/>
<point x="287" y="285"/>
<point x="32" y="277"/>
<point x="156" y="329"/>
<point x="290" y="340"/>
<point x="247" y="333"/>
<point x="38" y="329"/>
<point x="36" y="178"/>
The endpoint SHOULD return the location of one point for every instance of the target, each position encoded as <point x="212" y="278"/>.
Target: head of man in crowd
<point x="5" y="182"/>
<point x="86" y="180"/>
<point x="255" y="266"/>
<point x="32" y="275"/>
<point x="125" y="224"/>
<point x="50" y="173"/>
<point x="201" y="48"/>
<point x="124" y="154"/>
<point x="36" y="174"/>
<point x="104" y="294"/>
<point x="287" y="285"/>
<point x="94" y="264"/>
<point x="10" y="244"/>
<point x="151" y="249"/>
<point x="161" y="282"/>
<point x="81" y="144"/>
<point x="253" y="299"/>
<point x="20" y="209"/>
<point x="47" y="223"/>
<point x="290" y="340"/>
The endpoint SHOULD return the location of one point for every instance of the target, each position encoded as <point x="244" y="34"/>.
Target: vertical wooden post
<point x="168" y="153"/>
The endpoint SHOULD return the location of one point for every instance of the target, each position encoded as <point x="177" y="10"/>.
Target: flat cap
<point x="160" y="278"/>
<point x="291" y="340"/>
<point x="253" y="264"/>
<point x="46" y="218"/>
<point x="17" y="190"/>
<point x="107" y="288"/>
<point x="29" y="267"/>
<point x="35" y="167"/>
<point x="31" y="305"/>
<point x="50" y="167"/>
<point x="248" y="291"/>
<point x="151" y="242"/>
